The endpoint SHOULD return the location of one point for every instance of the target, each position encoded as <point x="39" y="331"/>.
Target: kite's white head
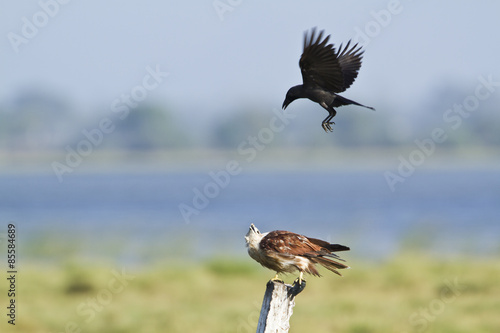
<point x="253" y="237"/>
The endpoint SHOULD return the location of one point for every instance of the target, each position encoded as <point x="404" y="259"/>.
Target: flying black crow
<point x="326" y="72"/>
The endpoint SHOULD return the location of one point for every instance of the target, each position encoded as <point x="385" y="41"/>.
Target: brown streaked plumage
<point x="286" y="252"/>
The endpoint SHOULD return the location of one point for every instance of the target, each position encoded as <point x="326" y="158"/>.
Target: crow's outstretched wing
<point x="319" y="64"/>
<point x="350" y="63"/>
<point x="323" y="67"/>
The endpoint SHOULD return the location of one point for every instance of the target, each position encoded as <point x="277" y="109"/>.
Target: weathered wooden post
<point x="277" y="306"/>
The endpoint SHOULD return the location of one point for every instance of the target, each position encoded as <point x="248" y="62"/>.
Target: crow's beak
<point x="285" y="104"/>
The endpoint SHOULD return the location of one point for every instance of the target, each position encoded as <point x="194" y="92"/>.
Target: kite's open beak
<point x="254" y="229"/>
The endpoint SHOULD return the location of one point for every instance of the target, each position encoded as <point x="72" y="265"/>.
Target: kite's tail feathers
<point x="312" y="270"/>
<point x="339" y="101"/>
<point x="337" y="247"/>
<point x="331" y="264"/>
<point x="328" y="246"/>
<point x="326" y="256"/>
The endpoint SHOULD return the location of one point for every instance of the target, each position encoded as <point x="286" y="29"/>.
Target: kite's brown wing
<point x="286" y="242"/>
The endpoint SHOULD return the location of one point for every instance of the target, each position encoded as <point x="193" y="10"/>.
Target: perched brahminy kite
<point x="285" y="252"/>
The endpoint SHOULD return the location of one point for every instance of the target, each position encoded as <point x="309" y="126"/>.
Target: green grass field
<point x="410" y="293"/>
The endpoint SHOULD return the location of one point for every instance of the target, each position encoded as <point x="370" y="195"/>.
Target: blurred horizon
<point x="35" y="120"/>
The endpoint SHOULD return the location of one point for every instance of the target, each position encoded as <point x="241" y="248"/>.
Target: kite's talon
<point x="277" y="279"/>
<point x="299" y="281"/>
<point x="298" y="285"/>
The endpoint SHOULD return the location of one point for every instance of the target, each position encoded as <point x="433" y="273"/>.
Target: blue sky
<point x="94" y="51"/>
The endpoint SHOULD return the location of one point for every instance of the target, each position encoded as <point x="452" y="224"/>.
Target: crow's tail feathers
<point x="339" y="101"/>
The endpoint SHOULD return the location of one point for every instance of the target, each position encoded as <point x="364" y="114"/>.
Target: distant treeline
<point x="37" y="121"/>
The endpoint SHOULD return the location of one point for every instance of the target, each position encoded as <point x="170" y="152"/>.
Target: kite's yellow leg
<point x="276" y="278"/>
<point x="298" y="285"/>
<point x="301" y="276"/>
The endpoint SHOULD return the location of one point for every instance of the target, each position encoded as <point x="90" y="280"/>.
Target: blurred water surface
<point x="447" y="211"/>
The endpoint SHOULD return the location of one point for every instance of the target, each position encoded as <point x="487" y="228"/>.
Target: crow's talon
<point x="327" y="126"/>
